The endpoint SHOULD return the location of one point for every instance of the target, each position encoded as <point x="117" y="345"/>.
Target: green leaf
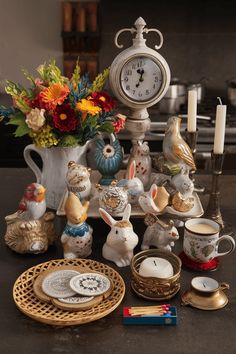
<point x="17" y="119"/>
<point x="106" y="127"/>
<point x="90" y="121"/>
<point x="21" y="130"/>
<point x="75" y="79"/>
<point x="28" y="76"/>
<point x="100" y="81"/>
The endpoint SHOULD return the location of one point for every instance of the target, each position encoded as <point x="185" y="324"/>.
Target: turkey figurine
<point x="33" y="204"/>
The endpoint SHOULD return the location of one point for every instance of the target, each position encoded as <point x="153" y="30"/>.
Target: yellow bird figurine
<point x="175" y="149"/>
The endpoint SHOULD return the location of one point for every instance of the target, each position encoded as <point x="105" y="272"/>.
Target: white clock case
<point x="136" y="50"/>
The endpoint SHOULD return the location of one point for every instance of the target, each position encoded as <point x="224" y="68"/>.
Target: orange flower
<point x="54" y="95"/>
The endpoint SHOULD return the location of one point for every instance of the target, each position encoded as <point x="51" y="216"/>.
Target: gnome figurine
<point x="77" y="235"/>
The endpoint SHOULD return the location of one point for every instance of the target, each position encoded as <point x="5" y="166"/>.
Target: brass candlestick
<point x="213" y="208"/>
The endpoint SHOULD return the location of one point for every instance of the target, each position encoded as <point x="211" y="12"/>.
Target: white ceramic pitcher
<point x="53" y="174"/>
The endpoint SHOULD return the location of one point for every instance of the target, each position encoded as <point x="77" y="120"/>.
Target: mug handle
<point x="232" y="244"/>
<point x="30" y="162"/>
<point x="224" y="286"/>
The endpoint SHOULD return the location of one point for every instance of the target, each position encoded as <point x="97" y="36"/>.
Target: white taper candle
<point x="192" y="111"/>
<point x="220" y="129"/>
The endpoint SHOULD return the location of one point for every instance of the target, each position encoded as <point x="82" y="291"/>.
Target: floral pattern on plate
<point x="88" y="284"/>
<point x="57" y="284"/>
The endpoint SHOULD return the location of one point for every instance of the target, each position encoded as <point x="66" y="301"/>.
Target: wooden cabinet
<point x="81" y="36"/>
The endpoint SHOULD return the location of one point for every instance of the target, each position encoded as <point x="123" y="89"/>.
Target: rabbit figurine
<point x="77" y="235"/>
<point x="121" y="240"/>
<point x="134" y="184"/>
<point x="183" y="184"/>
<point x="159" y="234"/>
<point x="155" y="200"/>
<point x="140" y="153"/>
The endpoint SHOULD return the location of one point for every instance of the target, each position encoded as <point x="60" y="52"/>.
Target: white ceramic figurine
<point x="133" y="183"/>
<point x="121" y="240"/>
<point x="159" y="234"/>
<point x="78" y="180"/>
<point x="77" y="235"/>
<point x="140" y="153"/>
<point x="31" y="229"/>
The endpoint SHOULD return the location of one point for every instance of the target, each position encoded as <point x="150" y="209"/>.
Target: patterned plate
<point x="88" y="284"/>
<point x="77" y="299"/>
<point x="56" y="284"/>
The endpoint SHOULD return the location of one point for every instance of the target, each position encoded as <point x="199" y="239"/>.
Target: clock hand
<point x="141" y="72"/>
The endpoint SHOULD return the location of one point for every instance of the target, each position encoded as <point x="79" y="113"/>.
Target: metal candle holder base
<point x="191" y="139"/>
<point x="213" y="209"/>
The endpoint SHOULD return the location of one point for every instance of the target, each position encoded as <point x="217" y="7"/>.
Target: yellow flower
<point x="87" y="106"/>
<point x="54" y="95"/>
<point x="44" y="137"/>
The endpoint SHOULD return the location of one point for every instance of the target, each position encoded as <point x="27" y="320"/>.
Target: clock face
<point x="141" y="79"/>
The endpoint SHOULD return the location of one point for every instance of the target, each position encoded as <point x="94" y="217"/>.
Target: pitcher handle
<point x="230" y="241"/>
<point x="30" y="162"/>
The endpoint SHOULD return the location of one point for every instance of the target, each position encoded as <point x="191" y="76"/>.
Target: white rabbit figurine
<point x="140" y="153"/>
<point x="134" y="184"/>
<point x="183" y="184"/>
<point x="146" y="200"/>
<point x="121" y="240"/>
<point x="159" y="234"/>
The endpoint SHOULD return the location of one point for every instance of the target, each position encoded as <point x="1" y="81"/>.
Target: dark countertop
<point x="197" y="331"/>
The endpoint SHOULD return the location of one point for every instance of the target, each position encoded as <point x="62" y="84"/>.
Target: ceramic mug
<point x="201" y="240"/>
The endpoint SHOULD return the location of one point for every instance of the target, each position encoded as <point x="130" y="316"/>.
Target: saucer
<point x="76" y="299"/>
<point x="214" y="301"/>
<point x="90" y="284"/>
<point x="56" y="284"/>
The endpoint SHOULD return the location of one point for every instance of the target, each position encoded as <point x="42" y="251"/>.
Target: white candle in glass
<point x="192" y="111"/>
<point x="220" y="129"/>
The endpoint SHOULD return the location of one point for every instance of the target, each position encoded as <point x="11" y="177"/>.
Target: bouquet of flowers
<point x="56" y="111"/>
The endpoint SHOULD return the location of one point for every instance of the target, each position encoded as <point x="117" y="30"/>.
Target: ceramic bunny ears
<point x="131" y="170"/>
<point x="109" y="219"/>
<point x="155" y="200"/>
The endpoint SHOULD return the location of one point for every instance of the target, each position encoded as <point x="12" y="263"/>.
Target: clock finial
<point x="139" y="41"/>
<point x="139" y="24"/>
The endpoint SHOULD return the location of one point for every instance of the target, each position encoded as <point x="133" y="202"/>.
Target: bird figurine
<point x="175" y="149"/>
<point x="33" y="204"/>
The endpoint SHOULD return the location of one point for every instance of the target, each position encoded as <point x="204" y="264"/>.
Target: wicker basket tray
<point x="26" y="301"/>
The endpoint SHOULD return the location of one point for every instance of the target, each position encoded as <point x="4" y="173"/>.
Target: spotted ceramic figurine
<point x="121" y="240"/>
<point x="77" y="235"/>
<point x="133" y="183"/>
<point x="140" y="153"/>
<point x="78" y="180"/>
<point x="113" y="199"/>
<point x="159" y="234"/>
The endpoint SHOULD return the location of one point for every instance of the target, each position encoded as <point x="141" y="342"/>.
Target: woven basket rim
<point x="64" y="321"/>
